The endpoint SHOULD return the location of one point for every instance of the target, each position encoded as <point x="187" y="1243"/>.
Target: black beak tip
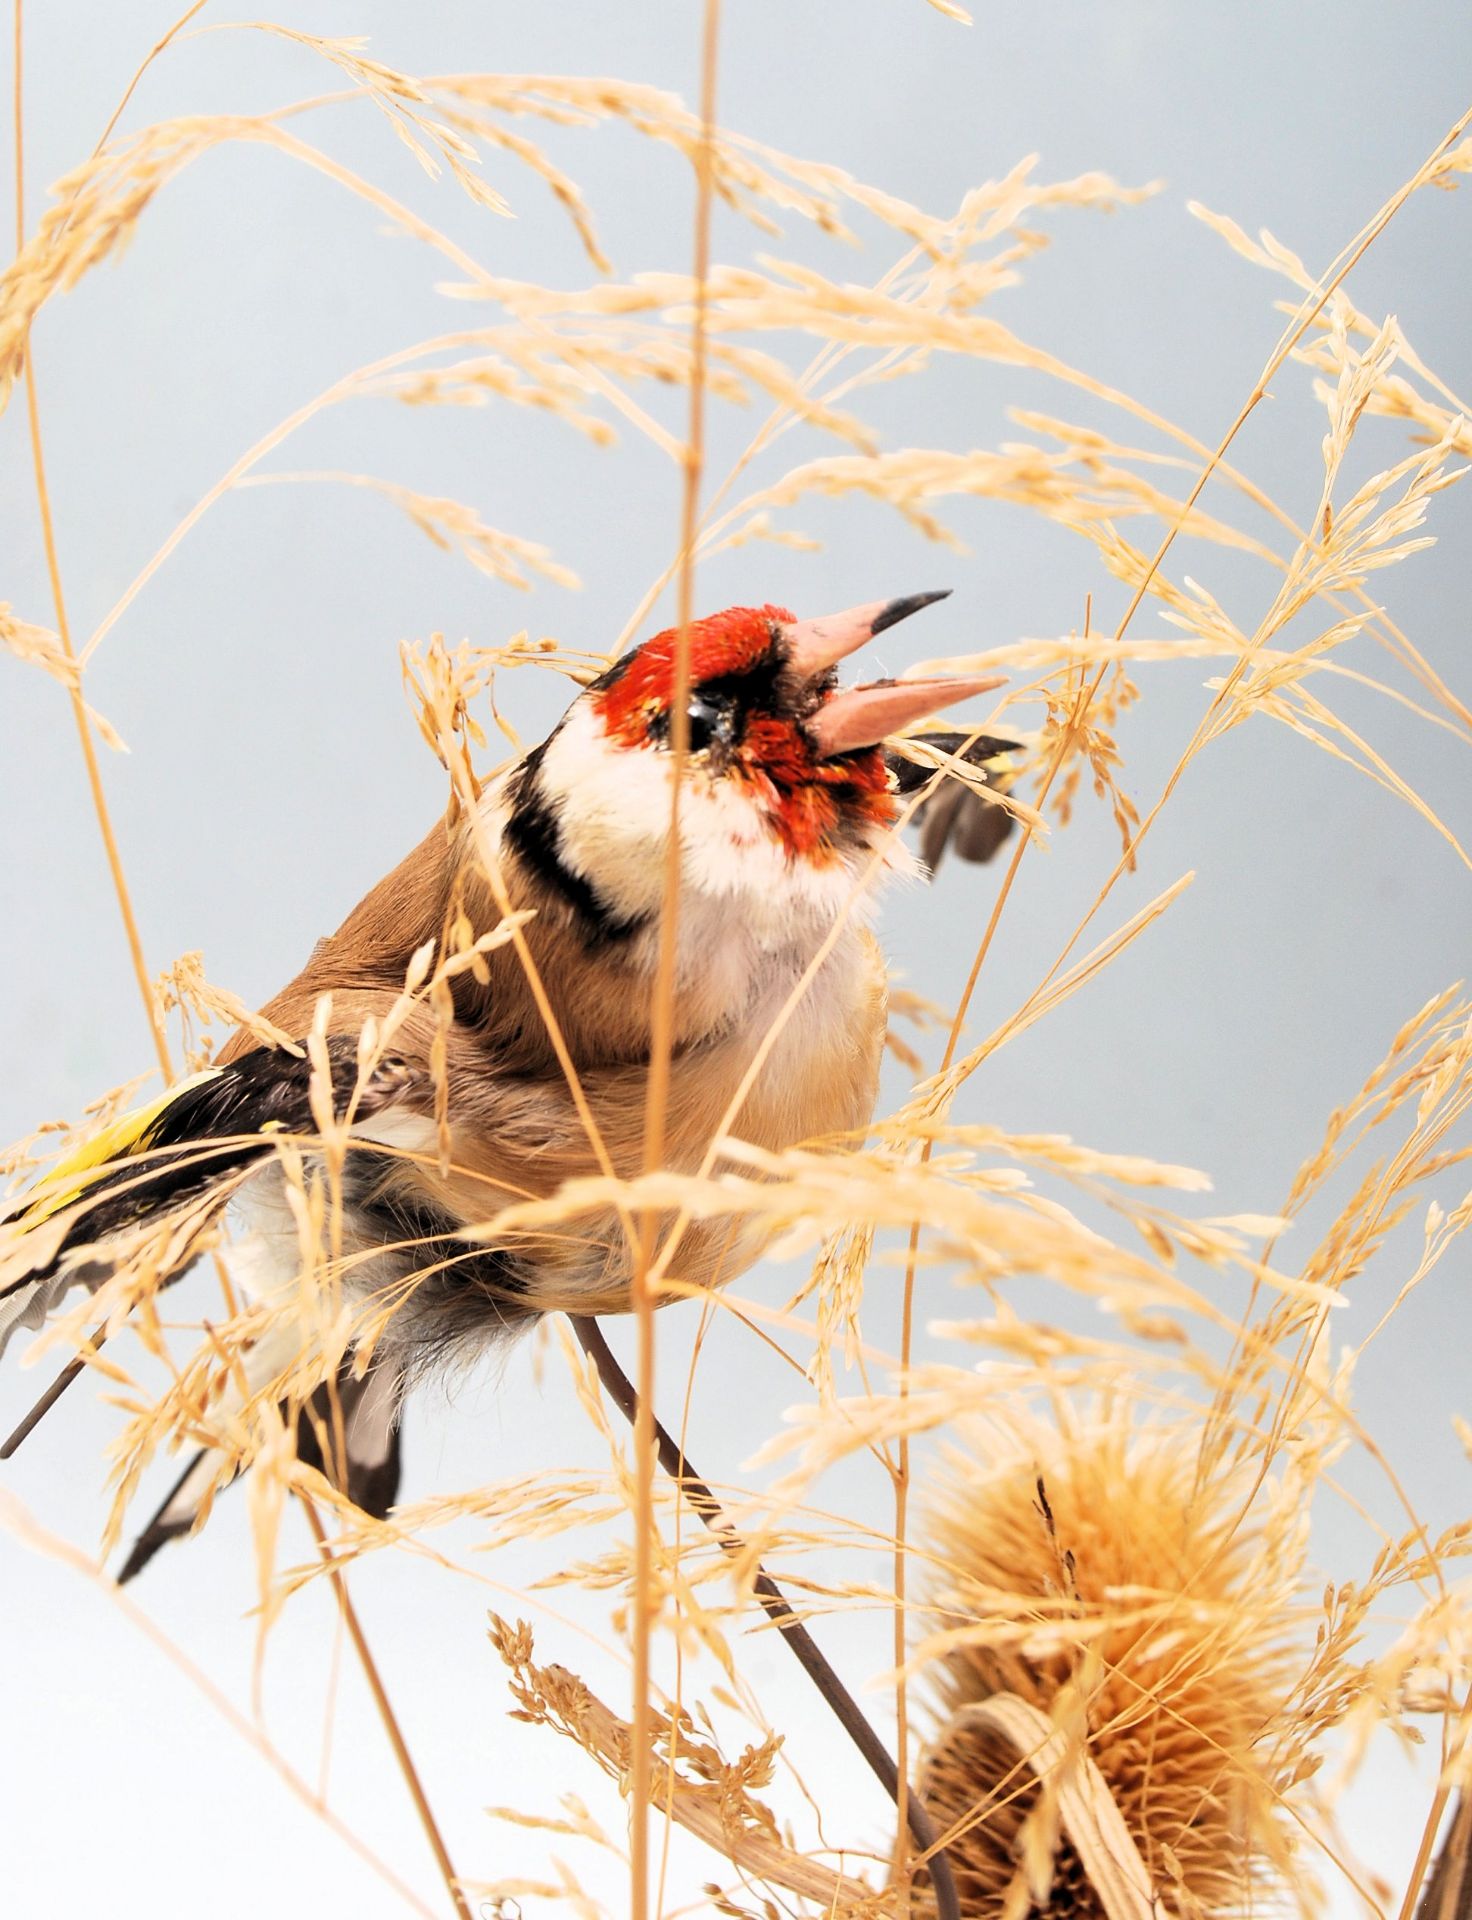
<point x="898" y="610"/>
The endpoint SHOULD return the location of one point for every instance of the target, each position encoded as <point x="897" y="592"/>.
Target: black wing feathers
<point x="955" y="815"/>
<point x="210" y="1131"/>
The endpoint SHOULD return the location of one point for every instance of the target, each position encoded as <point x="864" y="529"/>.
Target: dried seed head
<point x="1086" y="1575"/>
<point x="973" y="1775"/>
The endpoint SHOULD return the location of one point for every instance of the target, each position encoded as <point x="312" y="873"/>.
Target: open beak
<point x="863" y="716"/>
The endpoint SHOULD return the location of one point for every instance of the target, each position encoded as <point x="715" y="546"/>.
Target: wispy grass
<point x="1105" y="1605"/>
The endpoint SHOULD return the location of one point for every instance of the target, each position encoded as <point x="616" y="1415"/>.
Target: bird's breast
<point x="820" y="1050"/>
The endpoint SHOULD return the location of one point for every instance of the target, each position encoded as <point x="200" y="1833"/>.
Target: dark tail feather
<point x="365" y="1460"/>
<point x="363" y="1456"/>
<point x="166" y="1524"/>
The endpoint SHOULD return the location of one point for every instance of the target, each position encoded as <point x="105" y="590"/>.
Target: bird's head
<point x="786" y="790"/>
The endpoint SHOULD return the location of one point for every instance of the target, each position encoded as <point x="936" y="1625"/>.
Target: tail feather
<point x="368" y="1472"/>
<point x="370" y="1408"/>
<point x="177" y="1515"/>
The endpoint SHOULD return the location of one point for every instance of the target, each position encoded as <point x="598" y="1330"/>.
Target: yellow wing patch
<point x="70" y="1178"/>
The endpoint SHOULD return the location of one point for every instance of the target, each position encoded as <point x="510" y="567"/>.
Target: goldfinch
<point x="787" y="801"/>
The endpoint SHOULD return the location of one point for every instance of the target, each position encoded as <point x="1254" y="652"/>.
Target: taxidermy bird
<point x="788" y="799"/>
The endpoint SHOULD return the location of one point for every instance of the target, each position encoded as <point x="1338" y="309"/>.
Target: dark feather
<point x="206" y="1135"/>
<point x="160" y="1531"/>
<point x="208" y="1132"/>
<point x="955" y="815"/>
<point x="366" y="1416"/>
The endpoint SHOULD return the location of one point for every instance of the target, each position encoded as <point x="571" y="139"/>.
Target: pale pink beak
<point x="863" y="716"/>
<point x="813" y="646"/>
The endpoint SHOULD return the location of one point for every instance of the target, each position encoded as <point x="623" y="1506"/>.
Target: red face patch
<point x="815" y="808"/>
<point x="733" y="642"/>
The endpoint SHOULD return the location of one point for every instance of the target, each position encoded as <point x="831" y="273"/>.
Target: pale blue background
<point x="275" y="773"/>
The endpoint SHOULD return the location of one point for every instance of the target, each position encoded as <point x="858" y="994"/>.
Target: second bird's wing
<point x="956" y="814"/>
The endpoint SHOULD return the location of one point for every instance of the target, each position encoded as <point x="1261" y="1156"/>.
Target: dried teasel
<point x="1111" y="1665"/>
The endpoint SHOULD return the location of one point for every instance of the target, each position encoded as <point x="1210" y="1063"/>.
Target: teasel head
<point x="1111" y="1664"/>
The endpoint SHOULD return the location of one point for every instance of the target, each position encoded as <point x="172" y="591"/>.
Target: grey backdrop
<point x="275" y="773"/>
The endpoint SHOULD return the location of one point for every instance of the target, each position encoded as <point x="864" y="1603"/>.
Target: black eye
<point x="709" y="720"/>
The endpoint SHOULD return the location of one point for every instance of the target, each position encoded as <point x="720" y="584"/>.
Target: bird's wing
<point x="956" y="814"/>
<point x="180" y="1154"/>
<point x="126" y="1175"/>
<point x="154" y="1180"/>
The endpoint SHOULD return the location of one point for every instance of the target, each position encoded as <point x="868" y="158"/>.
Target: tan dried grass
<point x="1149" y="1603"/>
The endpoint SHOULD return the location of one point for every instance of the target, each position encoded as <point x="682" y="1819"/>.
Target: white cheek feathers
<point x="613" y="814"/>
<point x="613" y="811"/>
